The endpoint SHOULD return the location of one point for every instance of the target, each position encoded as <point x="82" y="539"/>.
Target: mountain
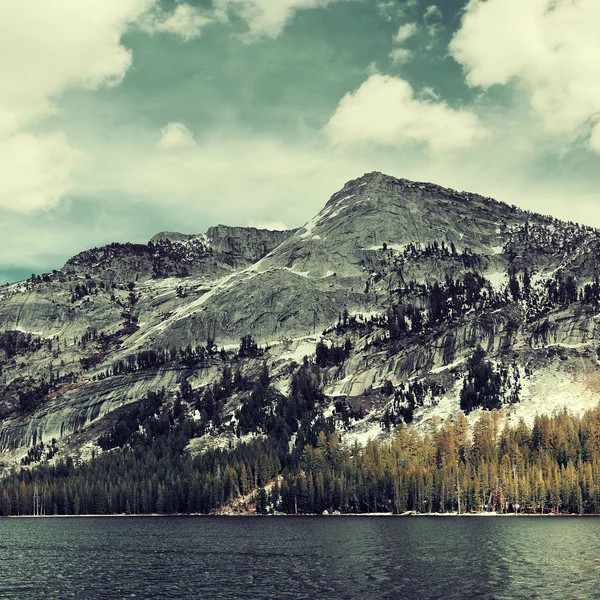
<point x="409" y="301"/>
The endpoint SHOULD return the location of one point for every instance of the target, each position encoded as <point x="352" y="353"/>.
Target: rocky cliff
<point x="387" y="291"/>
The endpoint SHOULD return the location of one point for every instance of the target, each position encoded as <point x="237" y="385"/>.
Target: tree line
<point x="552" y="466"/>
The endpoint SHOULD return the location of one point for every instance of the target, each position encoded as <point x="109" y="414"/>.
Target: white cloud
<point x="392" y="9"/>
<point x="46" y="48"/>
<point x="265" y="18"/>
<point x="432" y="13"/>
<point x="433" y="20"/>
<point x="595" y="138"/>
<point x="400" y="55"/>
<point x="372" y="68"/>
<point x="186" y="21"/>
<point x="35" y="171"/>
<point x="550" y="48"/>
<point x="387" y="9"/>
<point x="231" y="178"/>
<point x="176" y="136"/>
<point x="405" y="32"/>
<point x="270" y="225"/>
<point x="385" y="111"/>
<point x="429" y="92"/>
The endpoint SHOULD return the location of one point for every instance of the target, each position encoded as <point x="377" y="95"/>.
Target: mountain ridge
<point x="392" y="283"/>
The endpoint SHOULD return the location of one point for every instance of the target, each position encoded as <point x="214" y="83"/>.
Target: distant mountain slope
<point x="388" y="291"/>
<point x="216" y="252"/>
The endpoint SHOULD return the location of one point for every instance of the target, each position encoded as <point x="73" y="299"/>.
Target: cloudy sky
<point x="122" y="118"/>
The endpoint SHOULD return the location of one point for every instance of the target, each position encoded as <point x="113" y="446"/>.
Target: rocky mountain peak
<point x="170" y="236"/>
<point x="369" y="182"/>
<point x="397" y="280"/>
<point x="173" y="254"/>
<point x="378" y="186"/>
<point x="378" y="209"/>
<point x="249" y="243"/>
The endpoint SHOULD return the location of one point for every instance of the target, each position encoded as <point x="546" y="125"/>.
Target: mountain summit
<point x="406" y="300"/>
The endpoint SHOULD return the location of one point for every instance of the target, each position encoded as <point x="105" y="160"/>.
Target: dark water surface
<point x="297" y="558"/>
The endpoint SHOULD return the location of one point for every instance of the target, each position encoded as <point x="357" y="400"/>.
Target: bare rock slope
<point x="408" y="277"/>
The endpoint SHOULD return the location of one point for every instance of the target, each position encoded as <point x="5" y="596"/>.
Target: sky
<point x="123" y="118"/>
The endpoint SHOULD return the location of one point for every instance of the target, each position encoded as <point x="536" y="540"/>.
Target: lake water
<point x="300" y="558"/>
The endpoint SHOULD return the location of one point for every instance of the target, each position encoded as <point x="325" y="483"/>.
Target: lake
<point x="300" y="558"/>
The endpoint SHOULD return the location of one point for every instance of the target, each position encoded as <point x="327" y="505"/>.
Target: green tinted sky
<point x="122" y="118"/>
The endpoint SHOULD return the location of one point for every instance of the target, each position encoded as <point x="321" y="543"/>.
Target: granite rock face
<point x="522" y="284"/>
<point x="169" y="254"/>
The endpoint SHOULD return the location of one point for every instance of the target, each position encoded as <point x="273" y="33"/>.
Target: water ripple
<point x="301" y="558"/>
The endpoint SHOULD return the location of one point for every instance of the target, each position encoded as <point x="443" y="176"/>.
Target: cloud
<point x="265" y="18"/>
<point x="400" y="55"/>
<point x="548" y="48"/>
<point x="49" y="47"/>
<point x="35" y="171"/>
<point x="45" y="49"/>
<point x="176" y="136"/>
<point x="433" y="18"/>
<point x="432" y="14"/>
<point x="270" y="225"/>
<point x="387" y="9"/>
<point x="429" y="92"/>
<point x="186" y="21"/>
<point x="405" y="32"/>
<point x="235" y="178"/>
<point x="384" y="111"/>
<point x="396" y="9"/>
<point x="595" y="138"/>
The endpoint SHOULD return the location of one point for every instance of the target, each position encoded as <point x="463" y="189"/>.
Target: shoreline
<point x="343" y="515"/>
